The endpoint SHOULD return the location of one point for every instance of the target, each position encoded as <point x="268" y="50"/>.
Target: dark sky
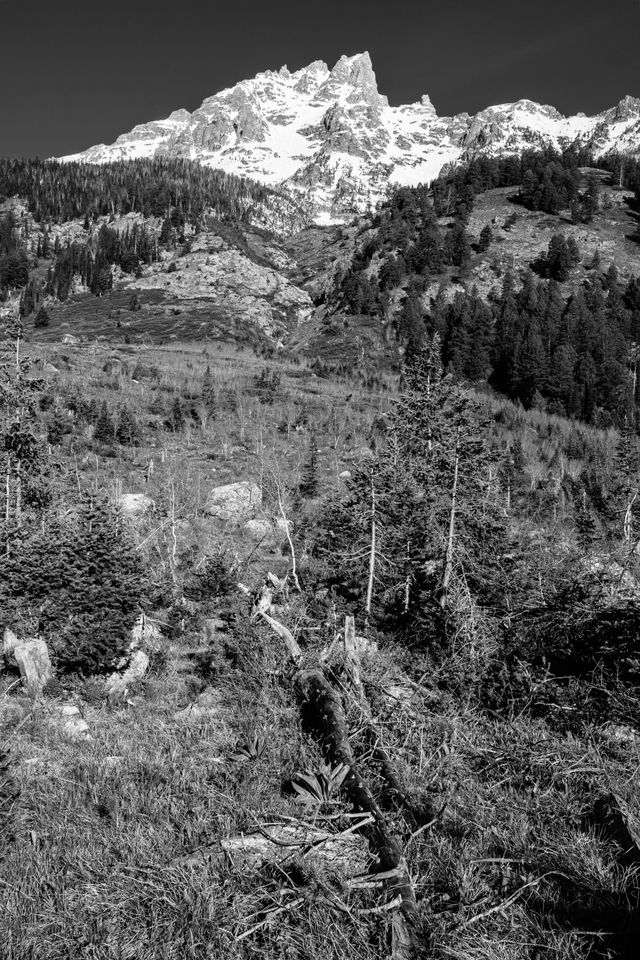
<point x="78" y="72"/>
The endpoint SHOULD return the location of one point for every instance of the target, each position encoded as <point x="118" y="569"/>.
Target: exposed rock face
<point x="236" y="502"/>
<point x="330" y="139"/>
<point x="215" y="272"/>
<point x="34" y="664"/>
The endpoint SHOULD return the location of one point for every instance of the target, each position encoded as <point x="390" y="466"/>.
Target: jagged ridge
<point x="332" y="140"/>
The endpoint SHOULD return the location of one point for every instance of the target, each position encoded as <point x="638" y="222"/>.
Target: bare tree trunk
<point x="407" y="582"/>
<point x="628" y="519"/>
<point x="18" y="511"/>
<point x="294" y="566"/>
<point x="324" y="715"/>
<point x="448" y="564"/>
<point x="372" y="554"/>
<point x="7" y="506"/>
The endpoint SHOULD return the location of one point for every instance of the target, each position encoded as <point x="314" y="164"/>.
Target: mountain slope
<point x="332" y="140"/>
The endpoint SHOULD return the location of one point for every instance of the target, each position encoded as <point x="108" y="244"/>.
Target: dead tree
<point x="323" y="714"/>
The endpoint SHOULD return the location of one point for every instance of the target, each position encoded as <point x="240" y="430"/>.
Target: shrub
<point x="213" y="580"/>
<point x="41" y="318"/>
<point x="80" y="585"/>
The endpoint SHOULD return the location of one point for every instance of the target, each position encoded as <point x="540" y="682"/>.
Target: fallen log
<point x="324" y="716"/>
<point x="416" y="813"/>
<point x="277" y="843"/>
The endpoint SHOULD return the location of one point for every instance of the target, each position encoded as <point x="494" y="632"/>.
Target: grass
<point x="98" y="833"/>
<point x="96" y="866"/>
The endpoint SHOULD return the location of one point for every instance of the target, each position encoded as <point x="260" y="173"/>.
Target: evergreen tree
<point x="24" y="464"/>
<point x="81" y="585"/>
<point x="177" y="415"/>
<point x="209" y="399"/>
<point x="485" y="239"/>
<point x="127" y="430"/>
<point x="41" y="318"/>
<point x="309" y="475"/>
<point x="104" y="431"/>
<point x="420" y="512"/>
<point x="591" y="199"/>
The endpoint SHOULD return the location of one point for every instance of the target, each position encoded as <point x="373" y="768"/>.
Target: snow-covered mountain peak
<point x="329" y="137"/>
<point x="628" y="108"/>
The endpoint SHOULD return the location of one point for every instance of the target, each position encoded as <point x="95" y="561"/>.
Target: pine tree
<point x="24" y="463"/>
<point x="104" y="431"/>
<point x="81" y="584"/>
<point x="421" y="510"/>
<point x="309" y="474"/>
<point x="41" y="318"/>
<point x="127" y="431"/>
<point x="591" y="199"/>
<point x="209" y="399"/>
<point x="177" y="415"/>
<point x="485" y="239"/>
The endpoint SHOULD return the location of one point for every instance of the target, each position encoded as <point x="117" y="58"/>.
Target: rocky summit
<point x="331" y="140"/>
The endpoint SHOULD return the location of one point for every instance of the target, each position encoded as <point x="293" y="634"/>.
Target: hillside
<point x="144" y="830"/>
<point x="319" y="574"/>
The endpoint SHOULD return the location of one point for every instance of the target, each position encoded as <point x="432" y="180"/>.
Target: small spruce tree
<point x="309" y="476"/>
<point x="104" y="431"/>
<point x="209" y="394"/>
<point x="127" y="431"/>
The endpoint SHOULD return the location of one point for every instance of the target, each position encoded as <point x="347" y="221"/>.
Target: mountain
<point x="332" y="140"/>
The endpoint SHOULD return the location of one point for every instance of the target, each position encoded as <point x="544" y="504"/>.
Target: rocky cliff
<point x="331" y="140"/>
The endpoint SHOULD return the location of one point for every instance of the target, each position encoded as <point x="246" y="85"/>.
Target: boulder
<point x="135" y="504"/>
<point x="258" y="529"/>
<point x="9" y="642"/>
<point x="76" y="728"/>
<point x="34" y="664"/>
<point x="119" y="683"/>
<point x="236" y="502"/>
<point x="69" y="710"/>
